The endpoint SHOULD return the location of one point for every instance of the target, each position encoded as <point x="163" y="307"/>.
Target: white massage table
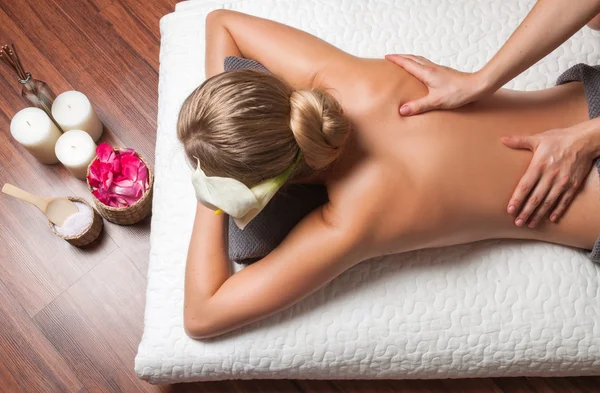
<point x="495" y="308"/>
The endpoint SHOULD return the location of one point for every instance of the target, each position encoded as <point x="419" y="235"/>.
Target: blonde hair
<point x="250" y="125"/>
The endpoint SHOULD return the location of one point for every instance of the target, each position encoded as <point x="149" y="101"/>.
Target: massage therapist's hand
<point x="561" y="162"/>
<point x="548" y="24"/>
<point x="448" y="88"/>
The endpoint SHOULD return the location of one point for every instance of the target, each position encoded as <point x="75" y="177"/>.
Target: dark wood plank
<point x="96" y="326"/>
<point x="134" y="241"/>
<point x="145" y="13"/>
<point x="29" y="363"/>
<point x="470" y="385"/>
<point x="355" y="386"/>
<point x="316" y="386"/>
<point x="33" y="61"/>
<point x="259" y="386"/>
<point x="548" y="385"/>
<point x="421" y="386"/>
<point x="127" y="23"/>
<point x="102" y="4"/>
<point x="585" y="384"/>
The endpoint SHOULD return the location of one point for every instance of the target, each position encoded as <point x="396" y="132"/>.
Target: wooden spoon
<point x="56" y="209"/>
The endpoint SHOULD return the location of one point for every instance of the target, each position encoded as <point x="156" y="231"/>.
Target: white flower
<point x="234" y="197"/>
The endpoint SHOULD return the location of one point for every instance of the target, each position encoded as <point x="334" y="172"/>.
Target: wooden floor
<point x="70" y="319"/>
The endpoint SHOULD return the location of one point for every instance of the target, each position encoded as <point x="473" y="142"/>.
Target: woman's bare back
<point x="444" y="177"/>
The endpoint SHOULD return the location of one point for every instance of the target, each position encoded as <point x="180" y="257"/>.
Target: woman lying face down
<point x="395" y="184"/>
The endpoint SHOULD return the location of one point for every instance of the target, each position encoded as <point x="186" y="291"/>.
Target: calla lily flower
<point x="234" y="197"/>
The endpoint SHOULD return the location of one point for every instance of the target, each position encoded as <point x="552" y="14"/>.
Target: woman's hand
<point x="448" y="88"/>
<point x="562" y="159"/>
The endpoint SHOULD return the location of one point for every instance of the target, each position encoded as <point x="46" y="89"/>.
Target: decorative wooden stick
<point x="10" y="57"/>
<point x="18" y="61"/>
<point x="35" y="92"/>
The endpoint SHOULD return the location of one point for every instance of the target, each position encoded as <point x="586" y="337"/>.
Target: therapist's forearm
<point x="591" y="135"/>
<point x="548" y="25"/>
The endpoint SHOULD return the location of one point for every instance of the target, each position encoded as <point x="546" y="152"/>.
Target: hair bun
<point x="319" y="126"/>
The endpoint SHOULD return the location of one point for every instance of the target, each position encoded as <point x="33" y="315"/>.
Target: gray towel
<point x="283" y="212"/>
<point x="590" y="76"/>
<point x="238" y="63"/>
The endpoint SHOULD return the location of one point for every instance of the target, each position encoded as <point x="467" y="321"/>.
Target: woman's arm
<point x="289" y="53"/>
<point x="549" y="24"/>
<point x="316" y="251"/>
<point x="219" y="44"/>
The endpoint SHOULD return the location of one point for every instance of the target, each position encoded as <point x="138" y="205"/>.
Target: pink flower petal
<point x="94" y="175"/>
<point x="123" y="201"/>
<point x="142" y="176"/>
<point x="132" y="158"/>
<point x="123" y="182"/>
<point x="107" y="178"/>
<point x="129" y="166"/>
<point x="102" y="196"/>
<point x="105" y="152"/>
<point x="116" y="165"/>
<point x="113" y="202"/>
<point x="134" y="191"/>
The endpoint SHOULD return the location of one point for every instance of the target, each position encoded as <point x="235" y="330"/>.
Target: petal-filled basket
<point x="133" y="213"/>
<point x="90" y="233"/>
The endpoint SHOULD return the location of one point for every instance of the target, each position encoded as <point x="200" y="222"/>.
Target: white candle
<point x="73" y="111"/>
<point x="76" y="149"/>
<point x="34" y="129"/>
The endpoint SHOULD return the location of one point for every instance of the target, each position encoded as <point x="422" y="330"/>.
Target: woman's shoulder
<point x="363" y="85"/>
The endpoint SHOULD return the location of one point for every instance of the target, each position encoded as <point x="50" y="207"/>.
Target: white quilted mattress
<point x="496" y="308"/>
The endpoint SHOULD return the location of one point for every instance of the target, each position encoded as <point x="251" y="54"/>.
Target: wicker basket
<point x="131" y="214"/>
<point x="90" y="234"/>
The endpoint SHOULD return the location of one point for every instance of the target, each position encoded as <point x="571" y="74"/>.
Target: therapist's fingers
<point x="526" y="184"/>
<point x="416" y="66"/>
<point x="419" y="59"/>
<point x="534" y="200"/>
<point x="421" y="105"/>
<point x="529" y="179"/>
<point x="563" y="204"/>
<point x="549" y="202"/>
<point x="518" y="142"/>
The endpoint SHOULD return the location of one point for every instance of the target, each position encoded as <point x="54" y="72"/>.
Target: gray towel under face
<point x="590" y="76"/>
<point x="283" y="212"/>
